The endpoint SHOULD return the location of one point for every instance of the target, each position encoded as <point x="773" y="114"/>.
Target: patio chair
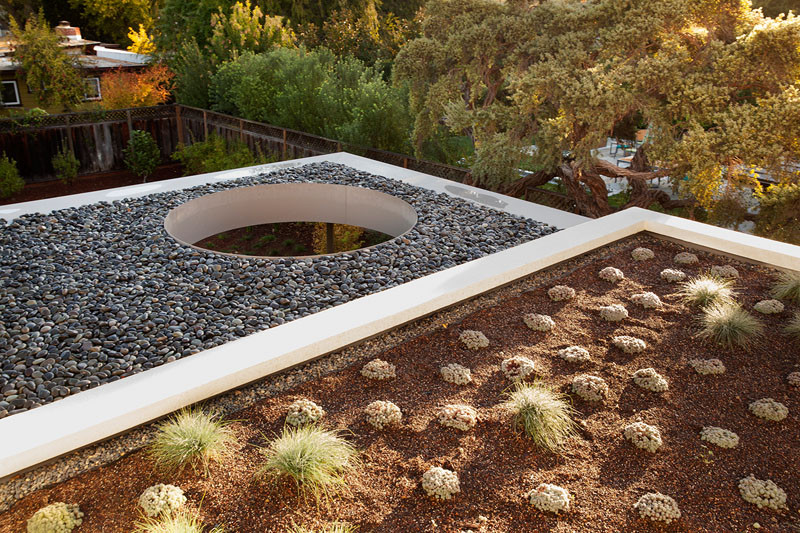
<point x="628" y="160"/>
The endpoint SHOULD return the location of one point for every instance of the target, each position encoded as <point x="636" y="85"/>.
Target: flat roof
<point x="87" y="62"/>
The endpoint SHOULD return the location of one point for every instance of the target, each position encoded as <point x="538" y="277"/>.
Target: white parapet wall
<point x="92" y="415"/>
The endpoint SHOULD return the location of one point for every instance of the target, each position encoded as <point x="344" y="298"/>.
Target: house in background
<point x="93" y="58"/>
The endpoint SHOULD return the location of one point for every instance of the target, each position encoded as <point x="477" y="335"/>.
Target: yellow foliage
<point x="345" y="238"/>
<point x="142" y="44"/>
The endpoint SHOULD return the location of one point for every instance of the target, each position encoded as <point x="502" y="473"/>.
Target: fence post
<point x="284" y="145"/>
<point x="405" y="162"/>
<point x="69" y="135"/>
<point x="205" y="125"/>
<point x="241" y="130"/>
<point x="130" y="120"/>
<point x="179" y="123"/>
<point x="338" y="147"/>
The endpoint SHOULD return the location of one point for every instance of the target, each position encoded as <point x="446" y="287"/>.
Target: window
<point x="9" y="94"/>
<point x="91" y="89"/>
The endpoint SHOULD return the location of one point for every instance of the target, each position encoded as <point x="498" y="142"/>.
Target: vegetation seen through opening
<point x="286" y="239"/>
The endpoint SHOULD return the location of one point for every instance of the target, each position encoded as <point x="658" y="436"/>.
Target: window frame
<point x="16" y="91"/>
<point x="99" y="91"/>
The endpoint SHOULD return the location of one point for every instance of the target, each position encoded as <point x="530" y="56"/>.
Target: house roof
<point x="86" y="62"/>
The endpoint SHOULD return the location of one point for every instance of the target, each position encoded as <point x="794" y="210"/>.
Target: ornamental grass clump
<point x="543" y="414"/>
<point x="787" y="287"/>
<point x="317" y="460"/>
<point x="730" y="325"/>
<point x="55" y="518"/>
<point x="191" y="437"/>
<point x="705" y="290"/>
<point x="180" y="521"/>
<point x="793" y="327"/>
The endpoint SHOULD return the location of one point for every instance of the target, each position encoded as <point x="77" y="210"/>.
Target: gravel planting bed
<point x="93" y="294"/>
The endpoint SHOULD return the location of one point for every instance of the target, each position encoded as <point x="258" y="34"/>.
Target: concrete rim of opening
<point x="222" y="211"/>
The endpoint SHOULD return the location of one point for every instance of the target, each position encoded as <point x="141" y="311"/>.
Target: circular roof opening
<point x="228" y="210"/>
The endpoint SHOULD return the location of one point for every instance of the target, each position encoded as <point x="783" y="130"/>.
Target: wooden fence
<point x="98" y="138"/>
<point x="197" y="124"/>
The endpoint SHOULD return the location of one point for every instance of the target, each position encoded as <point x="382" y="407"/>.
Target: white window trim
<point x="99" y="94"/>
<point x="16" y="91"/>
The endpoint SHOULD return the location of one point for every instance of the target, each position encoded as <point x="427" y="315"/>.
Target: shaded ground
<point x="288" y="239"/>
<point x="605" y="473"/>
<point x="90" y="182"/>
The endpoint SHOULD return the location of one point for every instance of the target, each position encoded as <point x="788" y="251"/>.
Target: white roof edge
<point x="122" y="55"/>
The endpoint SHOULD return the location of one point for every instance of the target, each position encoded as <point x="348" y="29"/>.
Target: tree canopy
<point x="716" y="82"/>
<point x="315" y="92"/>
<point x="45" y="67"/>
<point x="110" y="20"/>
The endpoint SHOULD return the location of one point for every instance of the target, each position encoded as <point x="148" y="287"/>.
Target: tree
<point x="246" y="29"/>
<point x="45" y="66"/>
<point x="141" y="43"/>
<point x="315" y="92"/>
<point x="181" y="21"/>
<point x="371" y="37"/>
<point x="778" y="219"/>
<point x="773" y="8"/>
<point x="124" y="88"/>
<point x="234" y="30"/>
<point x="110" y="19"/>
<point x="142" y="155"/>
<point x="193" y="70"/>
<point x="715" y="81"/>
<point x="316" y="12"/>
